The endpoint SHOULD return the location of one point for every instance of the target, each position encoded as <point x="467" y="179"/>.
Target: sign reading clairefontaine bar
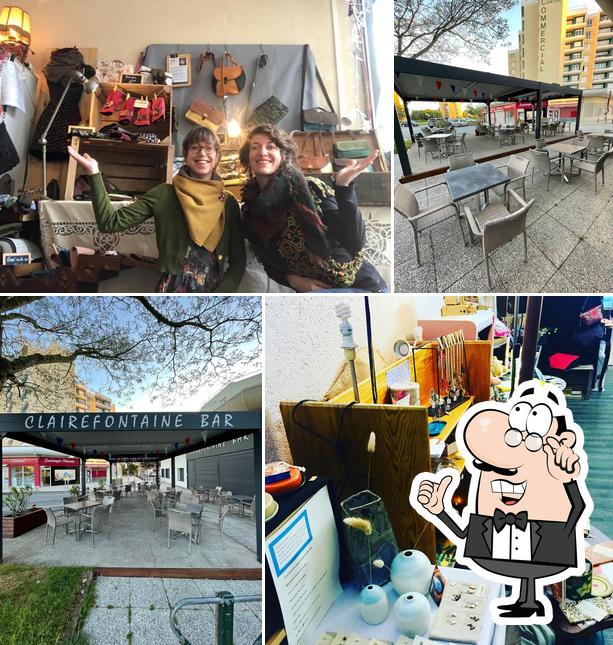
<point x="129" y="421"/>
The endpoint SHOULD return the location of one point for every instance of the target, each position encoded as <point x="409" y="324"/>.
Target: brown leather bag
<point x="229" y="78"/>
<point x="314" y="162"/>
<point x="203" y="114"/>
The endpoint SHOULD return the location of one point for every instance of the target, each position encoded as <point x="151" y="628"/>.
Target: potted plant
<point x="22" y="517"/>
<point x="74" y="490"/>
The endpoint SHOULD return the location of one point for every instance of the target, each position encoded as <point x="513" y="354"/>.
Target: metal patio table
<point x="243" y="500"/>
<point x="441" y="138"/>
<point x="194" y="509"/>
<point x="567" y="150"/>
<point x="78" y="507"/>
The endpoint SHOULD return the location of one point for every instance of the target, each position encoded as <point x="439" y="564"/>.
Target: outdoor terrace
<point x="569" y="230"/>
<point x="135" y="544"/>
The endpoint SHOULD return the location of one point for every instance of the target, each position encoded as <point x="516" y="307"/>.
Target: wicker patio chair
<point x="495" y="225"/>
<point x="181" y="523"/>
<point x="543" y="163"/>
<point x="158" y="511"/>
<point x="55" y="518"/>
<point x="593" y="167"/>
<point x="406" y="204"/>
<point x="516" y="168"/>
<point x="461" y="161"/>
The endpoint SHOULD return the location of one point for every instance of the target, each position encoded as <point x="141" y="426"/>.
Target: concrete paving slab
<point x="179" y="588"/>
<point x="153" y="626"/>
<point x="555" y="241"/>
<point x="108" y="627"/>
<point x="586" y="271"/>
<point x="453" y="261"/>
<point x="558" y="284"/>
<point x="246" y="628"/>
<point x="520" y="276"/>
<point x="145" y="592"/>
<point x="475" y="281"/>
<point x="112" y="591"/>
<point x="600" y="234"/>
<point x="198" y="626"/>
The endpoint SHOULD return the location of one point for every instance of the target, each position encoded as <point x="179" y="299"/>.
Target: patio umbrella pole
<point x="371" y="356"/>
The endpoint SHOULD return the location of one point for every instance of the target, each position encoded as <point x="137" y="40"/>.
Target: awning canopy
<point x="418" y="80"/>
<point x="135" y="436"/>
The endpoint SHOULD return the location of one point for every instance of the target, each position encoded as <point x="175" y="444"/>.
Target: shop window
<point x="22" y="476"/>
<point x="181" y="474"/>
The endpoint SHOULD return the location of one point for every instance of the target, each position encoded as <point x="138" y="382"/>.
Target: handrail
<point x="224" y="615"/>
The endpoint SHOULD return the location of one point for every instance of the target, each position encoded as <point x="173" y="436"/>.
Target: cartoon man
<point x="527" y="495"/>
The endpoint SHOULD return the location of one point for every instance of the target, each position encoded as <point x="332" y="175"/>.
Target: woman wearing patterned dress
<point x="307" y="235"/>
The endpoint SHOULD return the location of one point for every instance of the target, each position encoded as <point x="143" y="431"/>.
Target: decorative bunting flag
<point x="452" y="88"/>
<point x="438" y="84"/>
<point x="59" y="441"/>
<point x="73" y="445"/>
<point x="474" y="92"/>
<point x="187" y="440"/>
<point x="176" y="445"/>
<point x="95" y="452"/>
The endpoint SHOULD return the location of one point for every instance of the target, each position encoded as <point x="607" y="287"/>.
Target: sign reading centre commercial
<point x="129" y="421"/>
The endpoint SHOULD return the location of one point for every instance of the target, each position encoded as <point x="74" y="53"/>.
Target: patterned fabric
<point x="292" y="248"/>
<point x="199" y="274"/>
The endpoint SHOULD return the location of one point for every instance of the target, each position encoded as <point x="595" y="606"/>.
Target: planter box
<point x="14" y="526"/>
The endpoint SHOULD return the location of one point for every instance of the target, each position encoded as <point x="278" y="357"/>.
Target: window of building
<point x="589" y="22"/>
<point x="572" y="68"/>
<point x="22" y="476"/>
<point x="181" y="474"/>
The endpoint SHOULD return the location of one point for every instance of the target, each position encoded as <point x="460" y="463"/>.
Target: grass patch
<point x="37" y="604"/>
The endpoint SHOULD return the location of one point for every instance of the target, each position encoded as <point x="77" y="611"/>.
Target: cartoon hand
<point x="562" y="461"/>
<point x="430" y="494"/>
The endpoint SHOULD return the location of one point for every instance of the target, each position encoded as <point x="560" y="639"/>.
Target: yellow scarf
<point x="203" y="203"/>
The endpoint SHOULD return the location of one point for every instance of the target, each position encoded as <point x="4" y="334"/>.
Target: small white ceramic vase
<point x="374" y="606"/>
<point x="412" y="614"/>
<point x="411" y="571"/>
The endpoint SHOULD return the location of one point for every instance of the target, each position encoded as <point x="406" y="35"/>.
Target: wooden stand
<point x="134" y="168"/>
<point x="402" y="449"/>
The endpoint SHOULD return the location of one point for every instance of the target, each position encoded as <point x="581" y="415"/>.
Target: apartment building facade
<point x="88" y="401"/>
<point x="572" y="47"/>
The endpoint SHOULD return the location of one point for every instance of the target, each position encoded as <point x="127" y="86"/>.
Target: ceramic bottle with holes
<point x="412" y="614"/>
<point x="374" y="606"/>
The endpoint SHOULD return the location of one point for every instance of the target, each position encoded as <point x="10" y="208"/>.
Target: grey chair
<point x="406" y="204"/>
<point x="461" y="144"/>
<point x="463" y="160"/>
<point x="91" y="521"/>
<point x="55" y="517"/>
<point x="507" y="138"/>
<point x="596" y="146"/>
<point x="419" y="140"/>
<point x="223" y="513"/>
<point x="516" y="168"/>
<point x="540" y="143"/>
<point x="180" y="522"/>
<point x="158" y="511"/>
<point x="541" y="162"/>
<point x="593" y="167"/>
<point x="431" y="146"/>
<point x="495" y="225"/>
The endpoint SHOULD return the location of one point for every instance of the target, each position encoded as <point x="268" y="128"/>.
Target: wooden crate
<point x="134" y="168"/>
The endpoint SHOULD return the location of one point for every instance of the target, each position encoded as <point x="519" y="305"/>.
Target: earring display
<point x="461" y="613"/>
<point x="343" y="638"/>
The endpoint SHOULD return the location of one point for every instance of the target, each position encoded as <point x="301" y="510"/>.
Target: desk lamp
<point x="90" y="85"/>
<point x="343" y="313"/>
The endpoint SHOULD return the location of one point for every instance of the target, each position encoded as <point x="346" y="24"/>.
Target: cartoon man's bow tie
<point x="500" y="519"/>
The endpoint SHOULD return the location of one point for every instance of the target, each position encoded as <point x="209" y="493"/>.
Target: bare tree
<point x="167" y="346"/>
<point x="438" y="30"/>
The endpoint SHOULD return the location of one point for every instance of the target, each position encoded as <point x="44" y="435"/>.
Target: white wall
<point x="303" y="352"/>
<point x="180" y="462"/>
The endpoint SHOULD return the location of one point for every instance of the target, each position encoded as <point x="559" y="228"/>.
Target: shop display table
<point x="344" y="616"/>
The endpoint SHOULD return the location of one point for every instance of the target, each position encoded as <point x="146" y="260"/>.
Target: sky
<point x="498" y="57"/>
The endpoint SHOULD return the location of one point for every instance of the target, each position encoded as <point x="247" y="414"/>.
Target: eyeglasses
<point x="533" y="440"/>
<point x="209" y="149"/>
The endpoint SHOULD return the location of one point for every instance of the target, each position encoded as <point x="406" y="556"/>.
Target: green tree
<point x="169" y="346"/>
<point x="438" y="30"/>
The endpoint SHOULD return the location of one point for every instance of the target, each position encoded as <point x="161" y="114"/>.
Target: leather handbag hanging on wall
<point x="316" y="118"/>
<point x="271" y="111"/>
<point x="229" y="77"/>
<point x="203" y="114"/>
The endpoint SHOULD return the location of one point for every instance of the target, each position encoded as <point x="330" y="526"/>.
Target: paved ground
<point x="570" y="236"/>
<point x="134" y="543"/>
<point x="135" y="611"/>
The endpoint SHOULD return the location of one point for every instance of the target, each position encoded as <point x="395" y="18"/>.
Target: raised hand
<point x="562" y="460"/>
<point x="345" y="176"/>
<point x="431" y="493"/>
<point x="89" y="164"/>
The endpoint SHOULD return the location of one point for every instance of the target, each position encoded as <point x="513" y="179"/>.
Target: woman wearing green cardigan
<point x="197" y="223"/>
